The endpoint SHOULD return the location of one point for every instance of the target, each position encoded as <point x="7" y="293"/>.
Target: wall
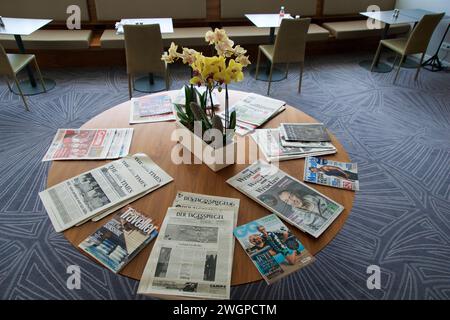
<point x="436" y="6"/>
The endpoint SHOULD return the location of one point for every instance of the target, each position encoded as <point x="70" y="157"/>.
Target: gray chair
<point x="289" y="47"/>
<point x="144" y="48"/>
<point x="12" y="64"/>
<point x="417" y="42"/>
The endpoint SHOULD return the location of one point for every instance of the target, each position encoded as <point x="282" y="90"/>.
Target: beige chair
<point x="144" y="48"/>
<point x="10" y="66"/>
<point x="417" y="42"/>
<point x="289" y="47"/>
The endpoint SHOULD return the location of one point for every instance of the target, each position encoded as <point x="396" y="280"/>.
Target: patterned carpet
<point x="399" y="135"/>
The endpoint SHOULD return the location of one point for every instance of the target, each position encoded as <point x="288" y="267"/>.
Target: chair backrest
<point x="421" y="34"/>
<point x="291" y="41"/>
<point x="5" y="66"/>
<point x="143" y="48"/>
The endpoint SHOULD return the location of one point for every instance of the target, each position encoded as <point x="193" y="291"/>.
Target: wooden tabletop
<point x="154" y="139"/>
<point x="22" y="26"/>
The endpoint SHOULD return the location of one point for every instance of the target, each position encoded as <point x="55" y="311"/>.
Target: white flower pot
<point x="215" y="159"/>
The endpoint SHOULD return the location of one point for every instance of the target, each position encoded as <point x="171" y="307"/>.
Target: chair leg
<point x="399" y="67"/>
<point x="270" y="78"/>
<point x="302" y="64"/>
<point x="419" y="66"/>
<point x="21" y="93"/>
<point x="377" y="57"/>
<point x="7" y="83"/>
<point x="40" y="74"/>
<point x="130" y="86"/>
<point x="257" y="64"/>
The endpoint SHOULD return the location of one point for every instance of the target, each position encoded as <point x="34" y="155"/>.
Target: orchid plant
<point x="212" y="72"/>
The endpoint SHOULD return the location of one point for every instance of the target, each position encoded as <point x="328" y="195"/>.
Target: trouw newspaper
<point x="191" y="256"/>
<point x="94" y="192"/>
<point x="290" y="199"/>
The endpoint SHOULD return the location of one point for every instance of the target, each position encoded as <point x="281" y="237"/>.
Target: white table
<point x="149" y="83"/>
<point x="271" y="21"/>
<point x="165" y="24"/>
<point x="19" y="27"/>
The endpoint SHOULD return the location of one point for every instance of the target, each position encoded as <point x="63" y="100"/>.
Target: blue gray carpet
<point x="399" y="135"/>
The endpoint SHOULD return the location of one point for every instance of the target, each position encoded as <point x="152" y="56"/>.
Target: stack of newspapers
<point x="193" y="254"/>
<point x="275" y="148"/>
<point x="99" y="192"/>
<point x="253" y="111"/>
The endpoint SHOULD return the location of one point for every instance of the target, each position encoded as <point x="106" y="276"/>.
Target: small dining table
<point x="270" y="21"/>
<point x="149" y="83"/>
<point x="19" y="27"/>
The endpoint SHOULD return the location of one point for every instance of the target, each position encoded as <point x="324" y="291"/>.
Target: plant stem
<point x="227" y="120"/>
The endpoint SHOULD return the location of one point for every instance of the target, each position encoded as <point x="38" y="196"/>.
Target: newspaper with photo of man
<point x="343" y="175"/>
<point x="272" y="247"/>
<point x="89" y="144"/>
<point x="292" y="200"/>
<point x="192" y="256"/>
<point x="105" y="188"/>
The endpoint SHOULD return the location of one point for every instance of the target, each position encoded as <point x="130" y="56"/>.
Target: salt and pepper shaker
<point x="396" y="13"/>
<point x="2" y="24"/>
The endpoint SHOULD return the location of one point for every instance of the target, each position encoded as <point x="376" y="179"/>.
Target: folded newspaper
<point x="99" y="191"/>
<point x="141" y="109"/>
<point x="192" y="256"/>
<point x="89" y="144"/>
<point x="272" y="247"/>
<point x="253" y="111"/>
<point x="292" y="200"/>
<point x="343" y="175"/>
<point x="269" y="142"/>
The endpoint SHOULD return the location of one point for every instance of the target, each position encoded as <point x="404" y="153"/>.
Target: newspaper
<point x="253" y="111"/>
<point x="269" y="141"/>
<point x="343" y="175"/>
<point x="180" y="97"/>
<point x="191" y="256"/>
<point x="292" y="200"/>
<point x="272" y="247"/>
<point x="135" y="113"/>
<point x="157" y="175"/>
<point x="201" y="201"/>
<point x="89" y="144"/>
<point x="106" y="188"/>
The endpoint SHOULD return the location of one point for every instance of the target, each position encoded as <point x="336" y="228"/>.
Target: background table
<point x="150" y="83"/>
<point x="19" y="27"/>
<point x="154" y="140"/>
<point x="271" y="21"/>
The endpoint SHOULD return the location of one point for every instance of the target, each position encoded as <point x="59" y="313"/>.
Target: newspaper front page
<point x="135" y="116"/>
<point x="157" y="174"/>
<point x="88" y="194"/>
<point x="292" y="200"/>
<point x="269" y="141"/>
<point x="343" y="175"/>
<point x="191" y="256"/>
<point x="89" y="144"/>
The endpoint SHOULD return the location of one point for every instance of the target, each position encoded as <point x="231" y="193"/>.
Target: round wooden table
<point x="154" y="139"/>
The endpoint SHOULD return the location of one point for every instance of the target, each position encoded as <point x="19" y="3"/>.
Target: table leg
<point x="28" y="68"/>
<point x="30" y="87"/>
